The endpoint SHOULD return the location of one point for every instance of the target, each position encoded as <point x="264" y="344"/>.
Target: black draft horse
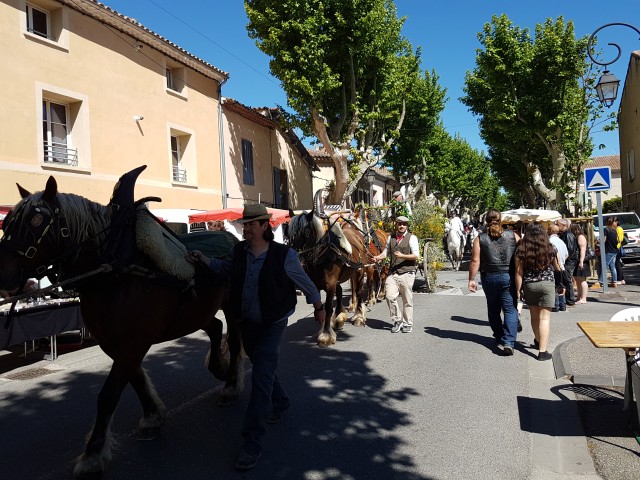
<point x="125" y="313"/>
<point x="330" y="261"/>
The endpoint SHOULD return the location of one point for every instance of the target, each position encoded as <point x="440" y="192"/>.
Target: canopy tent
<point x="530" y="215"/>
<point x="279" y="216"/>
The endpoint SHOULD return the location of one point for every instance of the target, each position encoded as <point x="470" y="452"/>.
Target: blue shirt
<point x="250" y="298"/>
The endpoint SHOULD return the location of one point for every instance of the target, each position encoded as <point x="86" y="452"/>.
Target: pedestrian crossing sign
<point x="597" y="179"/>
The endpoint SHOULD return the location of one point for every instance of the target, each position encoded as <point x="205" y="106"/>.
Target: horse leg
<point x="153" y="408"/>
<point x="234" y="378"/>
<point x="216" y="361"/>
<point x="341" y="313"/>
<point x="326" y="335"/>
<point x="354" y="301"/>
<point x="97" y="455"/>
<point x="359" y="319"/>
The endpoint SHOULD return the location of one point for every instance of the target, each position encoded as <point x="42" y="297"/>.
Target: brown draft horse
<point x="126" y="313"/>
<point x="329" y="261"/>
<point x="375" y="273"/>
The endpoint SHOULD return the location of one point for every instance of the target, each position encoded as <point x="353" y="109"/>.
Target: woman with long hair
<point x="536" y="260"/>
<point x="610" y="252"/>
<point x="582" y="270"/>
<point x="491" y="254"/>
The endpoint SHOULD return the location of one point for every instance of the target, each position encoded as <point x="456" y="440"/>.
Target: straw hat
<point x="254" y="211"/>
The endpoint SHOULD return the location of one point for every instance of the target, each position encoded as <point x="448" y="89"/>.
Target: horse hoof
<point x="147" y="434"/>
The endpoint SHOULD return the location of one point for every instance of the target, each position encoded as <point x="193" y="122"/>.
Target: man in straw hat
<point x="264" y="275"/>
<point x="403" y="250"/>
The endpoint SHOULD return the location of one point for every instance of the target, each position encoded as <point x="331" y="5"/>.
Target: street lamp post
<point x="607" y="86"/>
<point x="607" y="89"/>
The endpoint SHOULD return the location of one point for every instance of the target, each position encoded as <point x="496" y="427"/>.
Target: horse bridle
<point x="40" y="220"/>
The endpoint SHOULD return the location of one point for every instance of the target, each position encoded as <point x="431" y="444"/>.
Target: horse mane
<point x="296" y="226"/>
<point x="82" y="216"/>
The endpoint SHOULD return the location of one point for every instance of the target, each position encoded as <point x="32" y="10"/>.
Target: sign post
<point x="598" y="179"/>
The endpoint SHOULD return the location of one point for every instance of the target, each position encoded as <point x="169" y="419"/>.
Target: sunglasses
<point x="402" y="223"/>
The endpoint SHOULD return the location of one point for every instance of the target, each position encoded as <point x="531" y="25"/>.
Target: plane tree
<point x="534" y="91"/>
<point x="348" y="74"/>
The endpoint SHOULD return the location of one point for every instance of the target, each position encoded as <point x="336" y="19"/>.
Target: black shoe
<point x="562" y="309"/>
<point x="507" y="350"/>
<point x="519" y="325"/>
<point x="247" y="460"/>
<point x="554" y="309"/>
<point x="544" y="356"/>
<point x="535" y="344"/>
<point x="275" y="417"/>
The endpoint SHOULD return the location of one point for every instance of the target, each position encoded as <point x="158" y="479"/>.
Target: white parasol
<point x="530" y="215"/>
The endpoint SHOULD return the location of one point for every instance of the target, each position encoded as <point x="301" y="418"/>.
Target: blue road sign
<point x="597" y="179"/>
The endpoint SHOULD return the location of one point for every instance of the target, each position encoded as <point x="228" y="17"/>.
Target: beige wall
<point x="270" y="149"/>
<point x="106" y="82"/>
<point x="629" y="133"/>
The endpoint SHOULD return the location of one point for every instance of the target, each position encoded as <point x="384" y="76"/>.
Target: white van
<point x="630" y="223"/>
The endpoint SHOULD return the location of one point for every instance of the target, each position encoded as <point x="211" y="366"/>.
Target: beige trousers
<point x="400" y="285"/>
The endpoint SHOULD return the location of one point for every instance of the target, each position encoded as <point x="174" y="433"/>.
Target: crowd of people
<point x="544" y="267"/>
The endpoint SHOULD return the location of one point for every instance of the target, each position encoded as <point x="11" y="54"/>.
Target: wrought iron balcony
<point x="59" y="153"/>
<point x="179" y="175"/>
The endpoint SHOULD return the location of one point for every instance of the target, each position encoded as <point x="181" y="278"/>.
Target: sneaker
<point x="275" y="417"/>
<point x="622" y="282"/>
<point x="613" y="285"/>
<point x="544" y="356"/>
<point x="247" y="460"/>
<point x="407" y="329"/>
<point x="396" y="327"/>
<point x="595" y="286"/>
<point x="507" y="350"/>
<point x="535" y="344"/>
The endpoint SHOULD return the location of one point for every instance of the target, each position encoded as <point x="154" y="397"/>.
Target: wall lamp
<point x="607" y="87"/>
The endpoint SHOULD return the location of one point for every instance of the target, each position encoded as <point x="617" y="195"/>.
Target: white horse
<point x="455" y="245"/>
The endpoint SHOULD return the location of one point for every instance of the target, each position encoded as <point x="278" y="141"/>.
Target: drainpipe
<point x="223" y="166"/>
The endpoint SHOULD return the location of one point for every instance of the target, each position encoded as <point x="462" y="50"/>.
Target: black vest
<point x="495" y="254"/>
<point x="404" y="266"/>
<point x="276" y="291"/>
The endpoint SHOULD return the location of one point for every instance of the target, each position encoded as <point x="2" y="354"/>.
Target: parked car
<point x="630" y="223"/>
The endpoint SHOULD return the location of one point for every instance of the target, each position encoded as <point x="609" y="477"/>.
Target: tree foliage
<point x="350" y="76"/>
<point x="535" y="105"/>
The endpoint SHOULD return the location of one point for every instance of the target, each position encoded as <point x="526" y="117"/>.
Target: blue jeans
<point x="610" y="259"/>
<point x="262" y="345"/>
<point x="501" y="297"/>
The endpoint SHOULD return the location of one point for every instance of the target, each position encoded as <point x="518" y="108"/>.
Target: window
<point x="55" y="134"/>
<point x="280" y="189"/>
<point x="45" y="22"/>
<point x="179" y="173"/>
<point x="247" y="162"/>
<point x="183" y="156"/>
<point x="38" y="21"/>
<point x="175" y="78"/>
<point x="631" y="161"/>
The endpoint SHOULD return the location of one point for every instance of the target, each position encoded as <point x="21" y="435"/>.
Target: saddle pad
<point x="216" y="244"/>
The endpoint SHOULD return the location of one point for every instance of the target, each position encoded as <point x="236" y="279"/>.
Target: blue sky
<point x="446" y="30"/>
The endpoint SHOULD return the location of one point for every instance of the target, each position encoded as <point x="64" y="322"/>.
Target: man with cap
<point x="398" y="206"/>
<point x="264" y="275"/>
<point x="402" y="248"/>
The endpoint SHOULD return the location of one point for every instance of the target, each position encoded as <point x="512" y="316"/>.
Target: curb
<point x="562" y="366"/>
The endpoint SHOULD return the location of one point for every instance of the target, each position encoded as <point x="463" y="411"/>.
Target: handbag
<point x="589" y="254"/>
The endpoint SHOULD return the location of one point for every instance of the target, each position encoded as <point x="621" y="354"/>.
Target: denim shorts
<point x="540" y="294"/>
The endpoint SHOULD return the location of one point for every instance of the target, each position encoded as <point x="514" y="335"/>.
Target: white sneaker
<point x="396" y="327"/>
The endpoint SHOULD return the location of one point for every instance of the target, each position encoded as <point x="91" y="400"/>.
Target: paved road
<point x="439" y="403"/>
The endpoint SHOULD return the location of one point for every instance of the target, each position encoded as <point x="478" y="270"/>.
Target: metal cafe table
<point x="33" y="321"/>
<point x="625" y="335"/>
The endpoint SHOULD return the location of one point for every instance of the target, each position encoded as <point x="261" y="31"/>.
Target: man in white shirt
<point x="403" y="250"/>
<point x="563" y="253"/>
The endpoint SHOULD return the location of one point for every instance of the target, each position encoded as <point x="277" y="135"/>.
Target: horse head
<point x="29" y="231"/>
<point x="42" y="229"/>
